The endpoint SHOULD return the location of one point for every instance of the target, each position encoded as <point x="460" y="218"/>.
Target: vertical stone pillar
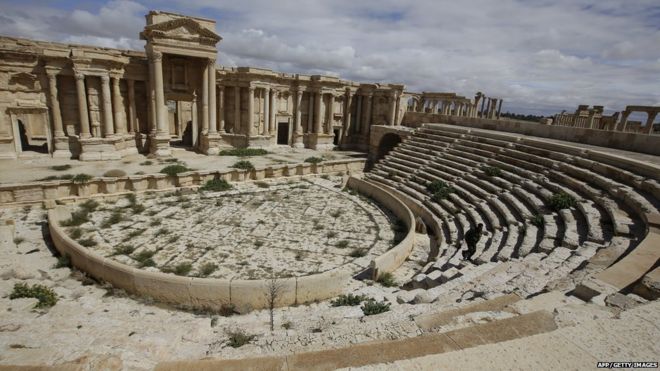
<point x="213" y="119"/>
<point x="483" y="103"/>
<point x="273" y="111"/>
<point x="649" y="122"/>
<point x="108" y="124"/>
<point x="310" y="112"/>
<point x="499" y="108"/>
<point x="317" y="113"/>
<point x="117" y="106"/>
<point x="132" y="117"/>
<point x="151" y="99"/>
<point x="331" y="114"/>
<point x="298" y="130"/>
<point x="205" y="100"/>
<point x="358" y="114"/>
<point x="266" y="112"/>
<point x="397" y="108"/>
<point x="221" y="108"/>
<point x="161" y="116"/>
<point x="58" y="128"/>
<point x="393" y="108"/>
<point x="367" y="114"/>
<point x="237" y="109"/>
<point x="347" y="113"/>
<point x="250" y="119"/>
<point x="82" y="105"/>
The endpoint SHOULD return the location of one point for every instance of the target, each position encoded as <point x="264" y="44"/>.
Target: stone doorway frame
<point x="15" y="114"/>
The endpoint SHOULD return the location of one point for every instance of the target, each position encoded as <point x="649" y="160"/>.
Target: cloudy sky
<point x="541" y="56"/>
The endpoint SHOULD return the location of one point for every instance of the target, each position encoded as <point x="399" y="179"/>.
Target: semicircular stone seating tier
<point x="518" y="252"/>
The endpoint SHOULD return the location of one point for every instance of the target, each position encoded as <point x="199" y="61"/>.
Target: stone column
<point x="161" y="116"/>
<point x="58" y="128"/>
<point x="250" y="120"/>
<point x="194" y="113"/>
<point x="358" y="114"/>
<point x="393" y="108"/>
<point x="117" y="106"/>
<point x="499" y="108"/>
<point x="151" y="100"/>
<point x="298" y="130"/>
<point x="205" y="100"/>
<point x="82" y="105"/>
<point x="237" y="109"/>
<point x="317" y="113"/>
<point x="266" y="112"/>
<point x="397" y="108"/>
<point x="108" y="124"/>
<point x="310" y="112"/>
<point x="273" y="111"/>
<point x="221" y="108"/>
<point x="331" y="114"/>
<point x="132" y="118"/>
<point x="368" y="114"/>
<point x="483" y="103"/>
<point x="347" y="113"/>
<point x="213" y="119"/>
<point x="649" y="122"/>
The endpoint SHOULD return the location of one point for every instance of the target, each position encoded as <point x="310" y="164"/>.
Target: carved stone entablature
<point x="10" y="58"/>
<point x="23" y="81"/>
<point x="173" y="34"/>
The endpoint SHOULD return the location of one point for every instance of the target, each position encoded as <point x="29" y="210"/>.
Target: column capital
<point x="79" y="75"/>
<point x="105" y="78"/>
<point x="156" y="55"/>
<point x="251" y="89"/>
<point x="210" y="62"/>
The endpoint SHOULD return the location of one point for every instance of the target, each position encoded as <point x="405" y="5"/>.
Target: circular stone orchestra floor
<point x="253" y="231"/>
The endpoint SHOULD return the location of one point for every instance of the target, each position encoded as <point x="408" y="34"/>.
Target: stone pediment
<point x="186" y="29"/>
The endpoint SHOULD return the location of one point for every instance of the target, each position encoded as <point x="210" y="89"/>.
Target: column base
<point x="321" y="142"/>
<point x="298" y="141"/>
<point x="210" y="144"/>
<point x="61" y="147"/>
<point x="97" y="149"/>
<point x="159" y="145"/>
<point x="261" y="141"/>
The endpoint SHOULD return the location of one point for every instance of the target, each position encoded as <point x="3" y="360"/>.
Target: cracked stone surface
<point x="255" y="230"/>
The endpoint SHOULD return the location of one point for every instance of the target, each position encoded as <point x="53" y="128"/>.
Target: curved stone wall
<point x="244" y="295"/>
<point x="392" y="259"/>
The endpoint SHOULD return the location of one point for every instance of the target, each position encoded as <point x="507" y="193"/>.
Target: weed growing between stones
<point x="244" y="152"/>
<point x="561" y="200"/>
<point x="371" y="307"/>
<point x="238" y="338"/>
<point x="173" y="170"/>
<point x="45" y="295"/>
<point x="216" y="185"/>
<point x="243" y="165"/>
<point x="348" y="300"/>
<point x="387" y="280"/>
<point x="314" y="160"/>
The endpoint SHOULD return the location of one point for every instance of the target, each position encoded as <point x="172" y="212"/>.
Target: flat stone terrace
<point x="280" y="228"/>
<point x="29" y="169"/>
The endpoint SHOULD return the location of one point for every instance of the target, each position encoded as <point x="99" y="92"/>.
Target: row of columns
<point x="112" y="106"/>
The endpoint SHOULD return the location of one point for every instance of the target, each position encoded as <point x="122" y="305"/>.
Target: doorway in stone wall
<point x="337" y="133"/>
<point x="31" y="131"/>
<point x="283" y="133"/>
<point x="28" y="143"/>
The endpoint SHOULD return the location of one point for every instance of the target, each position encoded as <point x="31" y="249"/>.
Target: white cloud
<point x="539" y="55"/>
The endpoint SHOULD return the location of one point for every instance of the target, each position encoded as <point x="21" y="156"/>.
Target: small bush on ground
<point x="341" y="244"/>
<point x="89" y="205"/>
<point x="442" y="194"/>
<point x="144" y="258"/>
<point x="61" y="167"/>
<point x="371" y="307"/>
<point x="77" y="218"/>
<point x="243" y="165"/>
<point x="348" y="300"/>
<point x="358" y="253"/>
<point x="387" y="280"/>
<point x="244" y="152"/>
<point x="206" y="269"/>
<point x="436" y="186"/>
<point x="262" y="184"/>
<point x="182" y="269"/>
<point x="216" y="185"/>
<point x="114" y="173"/>
<point x="88" y="242"/>
<point x="173" y="170"/>
<point x="81" y="178"/>
<point x="227" y="310"/>
<point x="123" y="250"/>
<point x="493" y="171"/>
<point x="439" y="190"/>
<point x="113" y="219"/>
<point x="63" y="261"/>
<point x="561" y="200"/>
<point x="19" y="240"/>
<point x="146" y="163"/>
<point x="45" y="295"/>
<point x="238" y="338"/>
<point x="538" y="220"/>
<point x="75" y="233"/>
<point x="314" y="160"/>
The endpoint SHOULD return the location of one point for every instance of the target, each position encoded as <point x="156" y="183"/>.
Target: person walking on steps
<point x="472" y="239"/>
